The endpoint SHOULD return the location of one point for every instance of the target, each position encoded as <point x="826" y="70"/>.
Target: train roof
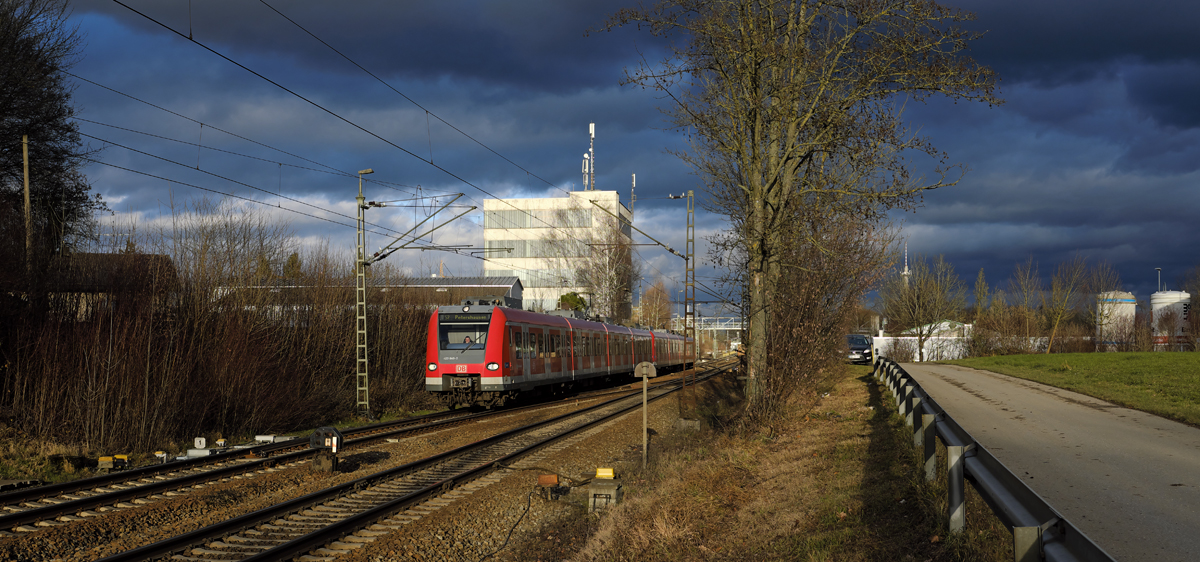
<point x="519" y="315"/>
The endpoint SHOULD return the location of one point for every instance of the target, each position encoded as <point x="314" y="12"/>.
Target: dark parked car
<point x="860" y="348"/>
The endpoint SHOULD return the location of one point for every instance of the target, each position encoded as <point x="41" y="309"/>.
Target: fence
<point x="939" y="348"/>
<point x="1039" y="532"/>
<point x="936" y="348"/>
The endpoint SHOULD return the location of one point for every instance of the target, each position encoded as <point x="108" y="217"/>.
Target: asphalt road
<point x="1128" y="479"/>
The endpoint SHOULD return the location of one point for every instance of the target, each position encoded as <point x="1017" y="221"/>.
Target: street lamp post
<point x="360" y="271"/>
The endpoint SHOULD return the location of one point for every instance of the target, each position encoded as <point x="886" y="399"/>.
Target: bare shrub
<point x="901" y="350"/>
<point x="201" y="335"/>
<point x="815" y="305"/>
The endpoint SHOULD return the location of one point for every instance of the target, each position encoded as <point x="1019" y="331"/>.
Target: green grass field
<point x="1165" y="384"/>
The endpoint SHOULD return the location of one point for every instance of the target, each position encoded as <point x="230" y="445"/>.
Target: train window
<point x="463" y="331"/>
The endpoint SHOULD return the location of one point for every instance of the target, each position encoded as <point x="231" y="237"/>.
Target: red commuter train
<point x="480" y="354"/>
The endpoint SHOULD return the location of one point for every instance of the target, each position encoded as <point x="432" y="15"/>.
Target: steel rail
<point x="351" y="524"/>
<point x="138" y="489"/>
<point x="51" y="490"/>
<point x="131" y="484"/>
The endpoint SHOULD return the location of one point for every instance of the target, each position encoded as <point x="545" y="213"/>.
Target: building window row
<point x="538" y="218"/>
<point x="535" y="248"/>
<point x="536" y="278"/>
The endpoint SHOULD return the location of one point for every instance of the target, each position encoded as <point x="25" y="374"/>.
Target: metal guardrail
<point x="1039" y="532"/>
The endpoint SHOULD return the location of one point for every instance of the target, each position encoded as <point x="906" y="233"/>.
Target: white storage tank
<point x="1115" y="313"/>
<point x="1169" y="313"/>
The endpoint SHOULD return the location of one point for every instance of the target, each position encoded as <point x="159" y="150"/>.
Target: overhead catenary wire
<point x="428" y="113"/>
<point x="327" y="110"/>
<point x="244" y="184"/>
<point x="361" y="128"/>
<point x="332" y="170"/>
<point x="240" y="197"/>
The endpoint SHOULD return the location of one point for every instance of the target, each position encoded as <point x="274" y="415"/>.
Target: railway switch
<point x="326" y="440"/>
<point x="605" y="490"/>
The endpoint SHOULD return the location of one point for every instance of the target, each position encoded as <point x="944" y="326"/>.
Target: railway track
<point x="31" y="509"/>
<point x="323" y="524"/>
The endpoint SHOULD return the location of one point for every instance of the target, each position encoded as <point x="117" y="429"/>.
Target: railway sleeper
<point x="249" y="540"/>
<point x="323" y="518"/>
<point x="281" y="530"/>
<point x="331" y="508"/>
<point x="288" y="523"/>
<point x="324" y="514"/>
<point x="216" y="552"/>
<point x="239" y="547"/>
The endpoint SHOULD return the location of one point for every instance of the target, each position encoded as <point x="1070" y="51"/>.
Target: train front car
<point x="465" y="356"/>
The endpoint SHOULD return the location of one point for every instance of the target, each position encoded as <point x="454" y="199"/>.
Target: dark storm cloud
<point x="1170" y="93"/>
<point x="1149" y="47"/>
<point x="515" y="43"/>
<point x="1075" y="40"/>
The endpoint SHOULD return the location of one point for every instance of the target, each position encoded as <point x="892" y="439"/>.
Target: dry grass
<point x="836" y="483"/>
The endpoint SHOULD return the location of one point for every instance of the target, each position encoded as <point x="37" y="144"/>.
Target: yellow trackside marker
<point x="606" y="473"/>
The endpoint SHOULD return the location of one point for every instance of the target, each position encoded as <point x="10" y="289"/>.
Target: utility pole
<point x="690" y="281"/>
<point x="28" y="212"/>
<point x="361" y="262"/>
<point x="360" y="308"/>
<point x="689" y="287"/>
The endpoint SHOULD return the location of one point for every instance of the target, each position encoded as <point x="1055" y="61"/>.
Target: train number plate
<point x="460" y="383"/>
<point x="460" y="368"/>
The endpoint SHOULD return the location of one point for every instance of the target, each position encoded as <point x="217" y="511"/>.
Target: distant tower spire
<point x="906" y="273"/>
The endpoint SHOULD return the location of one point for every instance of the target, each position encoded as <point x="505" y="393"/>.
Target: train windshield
<point x="463" y="331"/>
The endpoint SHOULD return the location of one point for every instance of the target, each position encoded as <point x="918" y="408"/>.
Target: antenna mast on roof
<point x="633" y="195"/>
<point x="592" y="154"/>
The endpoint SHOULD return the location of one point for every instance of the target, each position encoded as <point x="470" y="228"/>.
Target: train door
<point x="606" y="351"/>
<point x="534" y="344"/>
<point x="557" y="366"/>
<point x="521" y="339"/>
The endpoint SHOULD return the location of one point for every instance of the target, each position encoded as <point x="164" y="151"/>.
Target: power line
<point x="327" y="110"/>
<point x="247" y="199"/>
<point x="216" y="175"/>
<point x="219" y="192"/>
<point x="230" y="133"/>
<point x="410" y="100"/>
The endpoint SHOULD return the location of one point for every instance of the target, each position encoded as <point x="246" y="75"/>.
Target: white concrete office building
<point x="550" y="239"/>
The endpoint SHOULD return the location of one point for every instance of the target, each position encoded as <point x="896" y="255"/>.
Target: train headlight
<point x="467" y="308"/>
<point x="432" y="366"/>
<point x="493" y="366"/>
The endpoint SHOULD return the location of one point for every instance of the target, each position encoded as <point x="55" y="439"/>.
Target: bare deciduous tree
<point x="1066" y="289"/>
<point x="1102" y="311"/>
<point x="787" y="101"/>
<point x="919" y="305"/>
<point x="38" y="43"/>
<point x="598" y="260"/>
<point x="1025" y="287"/>
<point x="655" y="308"/>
